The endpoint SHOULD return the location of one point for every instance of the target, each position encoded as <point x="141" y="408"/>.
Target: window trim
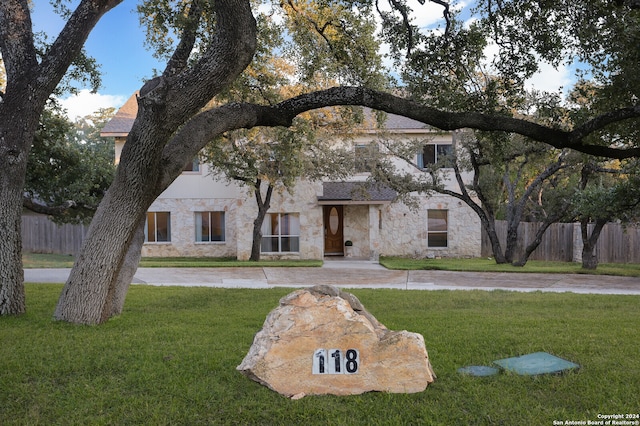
<point x="210" y="236"/>
<point x="362" y="163"/>
<point x="195" y="169"/>
<point x="279" y="235"/>
<point x="155" y="226"/>
<point x="440" y="232"/>
<point x="436" y="153"/>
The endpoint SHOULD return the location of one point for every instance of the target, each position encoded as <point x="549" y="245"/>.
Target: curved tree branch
<point x="604" y="120"/>
<point x="16" y="40"/>
<point x="180" y="56"/>
<point x="228" y="54"/>
<point x="445" y="120"/>
<point x="59" y="210"/>
<point x="204" y="127"/>
<point x="209" y="124"/>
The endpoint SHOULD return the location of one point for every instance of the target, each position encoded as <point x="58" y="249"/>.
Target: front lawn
<point x="42" y="260"/>
<point x="489" y="265"/>
<point x="171" y="359"/>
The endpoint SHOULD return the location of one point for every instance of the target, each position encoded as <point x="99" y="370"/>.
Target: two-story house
<point x="201" y="216"/>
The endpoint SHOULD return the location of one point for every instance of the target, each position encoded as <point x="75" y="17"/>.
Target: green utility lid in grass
<point x="536" y="363"/>
<point x="478" y="370"/>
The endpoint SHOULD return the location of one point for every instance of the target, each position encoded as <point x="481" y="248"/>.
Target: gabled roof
<point x="121" y="123"/>
<point x="355" y="193"/>
<point x="393" y="122"/>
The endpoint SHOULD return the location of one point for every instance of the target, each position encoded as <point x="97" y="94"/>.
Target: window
<point x="158" y="229"/>
<point x="435" y="153"/>
<point x="193" y="166"/>
<point x="365" y="157"/>
<point x="437" y="226"/>
<point x="281" y="233"/>
<point x="209" y="226"/>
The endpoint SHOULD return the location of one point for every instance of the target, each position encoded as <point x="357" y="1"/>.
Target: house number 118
<point x="334" y="361"/>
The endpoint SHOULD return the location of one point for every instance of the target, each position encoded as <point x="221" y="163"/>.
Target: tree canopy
<point x="70" y="166"/>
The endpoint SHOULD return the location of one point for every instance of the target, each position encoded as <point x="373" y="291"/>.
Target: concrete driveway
<point x="364" y="274"/>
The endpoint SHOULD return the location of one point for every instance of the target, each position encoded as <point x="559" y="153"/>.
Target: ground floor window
<point x="158" y="228"/>
<point x="437" y="228"/>
<point x="209" y="226"/>
<point x="281" y="233"/>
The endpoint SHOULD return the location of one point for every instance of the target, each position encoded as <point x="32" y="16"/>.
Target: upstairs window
<point x="158" y="228"/>
<point x="365" y="157"/>
<point x="193" y="166"/>
<point x="435" y="154"/>
<point x="209" y="226"/>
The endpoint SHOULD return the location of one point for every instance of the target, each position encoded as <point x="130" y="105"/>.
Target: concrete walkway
<point x="364" y="274"/>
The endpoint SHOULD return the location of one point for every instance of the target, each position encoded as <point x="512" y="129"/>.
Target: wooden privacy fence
<point x="41" y="235"/>
<point x="563" y="242"/>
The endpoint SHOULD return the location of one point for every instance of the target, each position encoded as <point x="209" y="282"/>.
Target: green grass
<point x="34" y="260"/>
<point x="37" y="260"/>
<point x="171" y="358"/>
<point x="46" y="260"/>
<point x="212" y="262"/>
<point x="489" y="265"/>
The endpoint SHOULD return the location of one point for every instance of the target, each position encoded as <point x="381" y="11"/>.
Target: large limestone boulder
<point x="323" y="341"/>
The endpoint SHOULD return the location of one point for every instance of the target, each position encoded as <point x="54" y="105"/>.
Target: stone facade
<point x="379" y="229"/>
<point x="183" y="242"/>
<point x="404" y="231"/>
<point x="375" y="227"/>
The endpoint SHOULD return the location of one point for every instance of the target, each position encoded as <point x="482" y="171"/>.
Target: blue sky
<point x="117" y="43"/>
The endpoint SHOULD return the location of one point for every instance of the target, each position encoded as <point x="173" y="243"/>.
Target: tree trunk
<point x="128" y="270"/>
<point x="30" y="79"/>
<point x="533" y="244"/>
<point x="589" y="255"/>
<point x="489" y="226"/>
<point x="551" y="219"/>
<point x="93" y="291"/>
<point x="18" y="123"/>
<point x="14" y="150"/>
<point x="514" y="215"/>
<point x="263" y="207"/>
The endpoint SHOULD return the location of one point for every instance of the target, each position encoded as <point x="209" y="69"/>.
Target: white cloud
<point x="551" y="79"/>
<point x="86" y="103"/>
<point x="428" y="15"/>
<point x="547" y="79"/>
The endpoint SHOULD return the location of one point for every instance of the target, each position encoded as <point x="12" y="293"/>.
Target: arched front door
<point x="333" y="231"/>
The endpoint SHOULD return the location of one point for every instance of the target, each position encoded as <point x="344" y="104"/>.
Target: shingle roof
<point x="398" y="122"/>
<point x="121" y="123"/>
<point x="363" y="192"/>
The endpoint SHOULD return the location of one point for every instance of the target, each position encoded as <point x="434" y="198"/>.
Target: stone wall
<point x="356" y="229"/>
<point x="391" y="229"/>
<point x="403" y="231"/>
<point x="303" y="201"/>
<point x="183" y="228"/>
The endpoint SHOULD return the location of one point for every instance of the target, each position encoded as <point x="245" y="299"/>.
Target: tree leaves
<point x="70" y="167"/>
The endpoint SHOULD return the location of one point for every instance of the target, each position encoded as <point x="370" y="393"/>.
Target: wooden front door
<point x="333" y="230"/>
